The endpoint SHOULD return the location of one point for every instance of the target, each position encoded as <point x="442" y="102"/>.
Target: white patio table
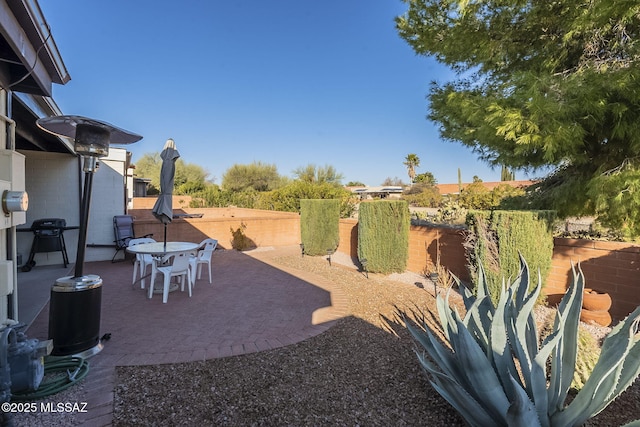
<point x="161" y="250"/>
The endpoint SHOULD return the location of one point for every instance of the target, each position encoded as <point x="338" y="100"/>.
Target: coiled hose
<point x="63" y="373"/>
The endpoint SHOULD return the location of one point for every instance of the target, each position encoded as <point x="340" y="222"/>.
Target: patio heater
<point x="75" y="304"/>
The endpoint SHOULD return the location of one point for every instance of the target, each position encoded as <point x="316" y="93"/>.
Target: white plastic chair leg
<point x="187" y="279"/>
<point x="135" y="272"/>
<point x="192" y="269"/>
<point x="143" y="267"/>
<point x="153" y="280"/>
<point x="165" y="289"/>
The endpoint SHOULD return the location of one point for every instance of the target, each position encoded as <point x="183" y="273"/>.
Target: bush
<point x="288" y="197"/>
<point x="496" y="238"/>
<point x="423" y="195"/>
<point x="214" y="197"/>
<point x="451" y="212"/>
<point x="383" y="235"/>
<point x="319" y="226"/>
<point x="477" y="196"/>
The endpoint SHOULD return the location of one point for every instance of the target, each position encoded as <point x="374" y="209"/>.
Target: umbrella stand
<point x="165" y="235"/>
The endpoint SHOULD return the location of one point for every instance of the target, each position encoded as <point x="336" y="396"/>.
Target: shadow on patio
<point x="250" y="306"/>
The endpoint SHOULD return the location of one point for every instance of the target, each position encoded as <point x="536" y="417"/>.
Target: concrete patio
<point x="250" y="306"/>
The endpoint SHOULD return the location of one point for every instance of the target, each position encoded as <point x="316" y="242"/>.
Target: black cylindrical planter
<point x="74" y="315"/>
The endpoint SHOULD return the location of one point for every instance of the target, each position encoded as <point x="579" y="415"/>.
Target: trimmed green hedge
<point x="497" y="237"/>
<point x="319" y="225"/>
<point x="383" y="235"/>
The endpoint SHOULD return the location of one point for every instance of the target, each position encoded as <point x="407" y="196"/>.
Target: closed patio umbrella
<point x="163" y="208"/>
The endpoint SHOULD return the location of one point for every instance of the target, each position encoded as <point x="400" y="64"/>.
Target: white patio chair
<point x="142" y="260"/>
<point x="179" y="267"/>
<point x="207" y="246"/>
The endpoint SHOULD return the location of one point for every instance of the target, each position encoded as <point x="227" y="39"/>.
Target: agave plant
<point x="494" y="369"/>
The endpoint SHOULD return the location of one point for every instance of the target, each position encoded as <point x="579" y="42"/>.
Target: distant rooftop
<point x="443" y="188"/>
<point x="455" y="188"/>
<point x="386" y="189"/>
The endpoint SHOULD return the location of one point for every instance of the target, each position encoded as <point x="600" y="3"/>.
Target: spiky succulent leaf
<point x="524" y="345"/>
<point x="538" y="377"/>
<point x="442" y="305"/>
<point x="522" y="412"/>
<point x="525" y="324"/>
<point x="482" y="286"/>
<point x="521" y="284"/>
<point x="441" y="355"/>
<point x="480" y="373"/>
<point x="616" y="369"/>
<point x="472" y="411"/>
<point x="563" y="362"/>
<point x="500" y="355"/>
<point x="478" y="320"/>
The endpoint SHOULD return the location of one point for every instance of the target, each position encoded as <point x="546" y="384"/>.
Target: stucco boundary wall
<point x="424" y="242"/>
<point x="612" y="267"/>
<point x="263" y="228"/>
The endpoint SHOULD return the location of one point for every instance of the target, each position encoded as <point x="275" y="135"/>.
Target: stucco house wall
<point x="54" y="184"/>
<point x="108" y="199"/>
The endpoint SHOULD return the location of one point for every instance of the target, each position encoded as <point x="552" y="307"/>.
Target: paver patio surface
<point x="250" y="306"/>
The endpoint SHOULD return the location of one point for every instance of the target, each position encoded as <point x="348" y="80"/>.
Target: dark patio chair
<point x="123" y="231"/>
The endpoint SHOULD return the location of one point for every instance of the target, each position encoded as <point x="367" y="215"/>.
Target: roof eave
<point x="53" y="58"/>
<point x="23" y="27"/>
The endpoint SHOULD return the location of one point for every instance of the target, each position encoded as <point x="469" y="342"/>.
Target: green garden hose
<point x="63" y="373"/>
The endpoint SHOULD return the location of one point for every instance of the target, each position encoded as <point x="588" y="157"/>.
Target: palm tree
<point x="412" y="161"/>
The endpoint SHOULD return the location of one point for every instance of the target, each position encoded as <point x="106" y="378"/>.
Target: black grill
<point x="47" y="237"/>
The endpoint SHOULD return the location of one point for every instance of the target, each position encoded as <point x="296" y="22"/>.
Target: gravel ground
<point x="362" y="371"/>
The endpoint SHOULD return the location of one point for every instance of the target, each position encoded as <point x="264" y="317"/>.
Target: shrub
<point x="451" y="212"/>
<point x="477" y="196"/>
<point x="213" y="196"/>
<point x="319" y="225"/>
<point x="495" y="239"/>
<point x="288" y="197"/>
<point x="493" y="370"/>
<point x="423" y="195"/>
<point x="383" y="235"/>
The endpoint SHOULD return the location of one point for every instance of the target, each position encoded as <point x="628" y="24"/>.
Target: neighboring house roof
<point x="385" y="189"/>
<point x="455" y="188"/>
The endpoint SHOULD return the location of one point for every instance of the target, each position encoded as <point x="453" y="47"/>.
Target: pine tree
<point x="538" y="85"/>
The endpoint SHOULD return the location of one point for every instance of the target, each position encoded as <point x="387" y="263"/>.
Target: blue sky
<point x="283" y="82"/>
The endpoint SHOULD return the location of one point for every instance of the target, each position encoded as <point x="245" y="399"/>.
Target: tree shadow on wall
<point x="239" y="240"/>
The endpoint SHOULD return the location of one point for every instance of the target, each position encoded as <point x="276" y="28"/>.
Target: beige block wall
<point x="608" y="266"/>
<point x="612" y="267"/>
<point x="263" y="228"/>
